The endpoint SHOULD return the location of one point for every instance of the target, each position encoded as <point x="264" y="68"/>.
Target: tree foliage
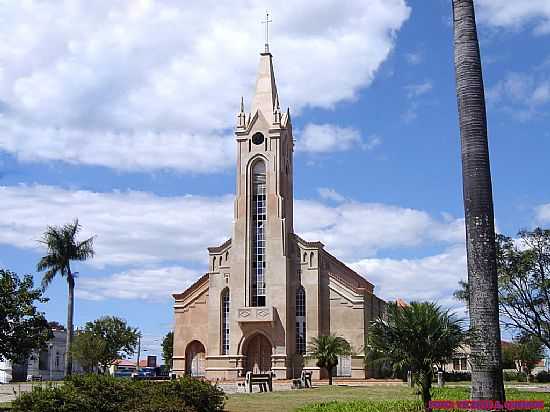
<point x="524" y="283"/>
<point x="527" y="352"/>
<point x="88" y="349"/>
<point x="168" y="348"/>
<point x="416" y="337"/>
<point x="327" y="349"/>
<point x="119" y="338"/>
<point x="23" y="328"/>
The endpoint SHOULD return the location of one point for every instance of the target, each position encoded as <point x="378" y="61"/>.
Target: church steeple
<point x="265" y="98"/>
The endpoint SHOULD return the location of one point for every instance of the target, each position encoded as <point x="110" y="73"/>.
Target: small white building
<point x="46" y="364"/>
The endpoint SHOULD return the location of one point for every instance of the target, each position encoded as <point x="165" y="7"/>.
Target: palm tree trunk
<point x="487" y="380"/>
<point x="329" y="370"/>
<point x="70" y="312"/>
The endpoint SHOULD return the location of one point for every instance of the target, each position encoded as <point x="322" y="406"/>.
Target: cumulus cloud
<point x="408" y="278"/>
<point x="515" y="14"/>
<point x="522" y="94"/>
<point x="418" y="89"/>
<point x="137" y="229"/>
<point x="151" y="284"/>
<point x="139" y="74"/>
<point x="543" y="213"/>
<point x="330" y="194"/>
<point x="325" y="138"/>
<point x="132" y="227"/>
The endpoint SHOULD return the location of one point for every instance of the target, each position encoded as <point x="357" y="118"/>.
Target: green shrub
<point x="543" y="376"/>
<point x="98" y="393"/>
<point x="515" y="376"/>
<point x="457" y="376"/>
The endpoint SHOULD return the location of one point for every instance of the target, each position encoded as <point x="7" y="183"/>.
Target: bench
<point x="303" y="382"/>
<point x="263" y="380"/>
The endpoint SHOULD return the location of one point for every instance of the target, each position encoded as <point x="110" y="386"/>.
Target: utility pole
<point x="138" y="353"/>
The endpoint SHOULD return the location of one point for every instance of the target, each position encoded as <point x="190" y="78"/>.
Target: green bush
<point x="515" y="376"/>
<point x="542" y="376"/>
<point x="99" y="393"/>
<point x="457" y="376"/>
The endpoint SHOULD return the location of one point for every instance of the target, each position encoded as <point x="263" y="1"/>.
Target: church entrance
<point x="195" y="359"/>
<point x="258" y="354"/>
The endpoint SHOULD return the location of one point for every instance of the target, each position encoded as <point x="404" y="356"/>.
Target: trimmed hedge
<point x="99" y="393"/>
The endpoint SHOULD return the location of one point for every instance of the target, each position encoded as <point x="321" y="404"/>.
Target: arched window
<point x="311" y="259"/>
<point x="226" y="256"/>
<point x="225" y="321"/>
<point x="300" y="320"/>
<point x="220" y="261"/>
<point x="305" y="256"/>
<point x="213" y="262"/>
<point x="259" y="209"/>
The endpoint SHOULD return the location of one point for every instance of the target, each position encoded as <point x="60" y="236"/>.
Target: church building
<point x="267" y="291"/>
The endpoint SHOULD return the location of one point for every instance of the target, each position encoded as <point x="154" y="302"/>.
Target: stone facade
<point x="268" y="291"/>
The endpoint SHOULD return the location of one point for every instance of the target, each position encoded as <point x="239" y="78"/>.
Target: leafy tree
<point x="528" y="352"/>
<point x="326" y="350"/>
<point x="23" y="328"/>
<point x="485" y="342"/>
<point x="120" y="339"/>
<point x="509" y="355"/>
<point x="88" y="349"/>
<point x="56" y="325"/>
<point x="523" y="283"/>
<point x="416" y="337"/>
<point x="63" y="247"/>
<point x="168" y="348"/>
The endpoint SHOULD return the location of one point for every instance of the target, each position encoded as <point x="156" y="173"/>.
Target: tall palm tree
<point x="327" y="349"/>
<point x="415" y="337"/>
<point x="63" y="247"/>
<point x="487" y="381"/>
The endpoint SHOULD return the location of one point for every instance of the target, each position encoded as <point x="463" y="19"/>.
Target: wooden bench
<point x="263" y="380"/>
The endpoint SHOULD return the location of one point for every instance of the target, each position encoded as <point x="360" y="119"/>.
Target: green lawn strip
<point x="287" y="401"/>
<point x="415" y="405"/>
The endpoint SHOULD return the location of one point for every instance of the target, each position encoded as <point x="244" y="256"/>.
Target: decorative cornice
<point x="317" y="244"/>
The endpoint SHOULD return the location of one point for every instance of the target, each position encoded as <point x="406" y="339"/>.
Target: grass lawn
<point x="287" y="401"/>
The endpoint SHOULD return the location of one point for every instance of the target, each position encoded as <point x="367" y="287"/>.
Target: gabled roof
<point x="203" y="279"/>
<point x="220" y="248"/>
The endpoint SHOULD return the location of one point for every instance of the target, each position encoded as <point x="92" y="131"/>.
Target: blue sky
<point x="122" y="115"/>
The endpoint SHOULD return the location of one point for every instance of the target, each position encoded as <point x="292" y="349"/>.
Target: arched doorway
<point x="195" y="359"/>
<point x="258" y="354"/>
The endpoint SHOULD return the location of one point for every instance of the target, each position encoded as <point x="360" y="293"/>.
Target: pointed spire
<point x="265" y="98"/>
<point x="242" y="104"/>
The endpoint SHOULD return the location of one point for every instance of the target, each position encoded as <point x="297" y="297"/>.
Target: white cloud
<point x="433" y="278"/>
<point x="132" y="227"/>
<point x="515" y="14"/>
<point x="330" y="194"/>
<point x="414" y="58"/>
<point x="141" y="73"/>
<point x="353" y="230"/>
<point x="521" y="94"/>
<point x="325" y="138"/>
<point x="137" y="229"/>
<point x="418" y="89"/>
<point x="152" y="284"/>
<point x="543" y="213"/>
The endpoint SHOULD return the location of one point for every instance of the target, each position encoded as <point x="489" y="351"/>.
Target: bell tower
<point x="263" y="225"/>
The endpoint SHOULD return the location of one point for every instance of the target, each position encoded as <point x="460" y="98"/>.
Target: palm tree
<point x="327" y="349"/>
<point x="415" y="337"/>
<point x="487" y="380"/>
<point x="63" y="247"/>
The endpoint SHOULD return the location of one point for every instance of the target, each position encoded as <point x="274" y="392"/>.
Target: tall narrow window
<point x="225" y="322"/>
<point x="300" y="320"/>
<point x="258" y="234"/>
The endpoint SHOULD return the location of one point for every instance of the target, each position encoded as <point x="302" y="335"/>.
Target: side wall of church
<point x="191" y="324"/>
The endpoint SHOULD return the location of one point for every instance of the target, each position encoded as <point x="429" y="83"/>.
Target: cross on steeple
<point x="266" y="22"/>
